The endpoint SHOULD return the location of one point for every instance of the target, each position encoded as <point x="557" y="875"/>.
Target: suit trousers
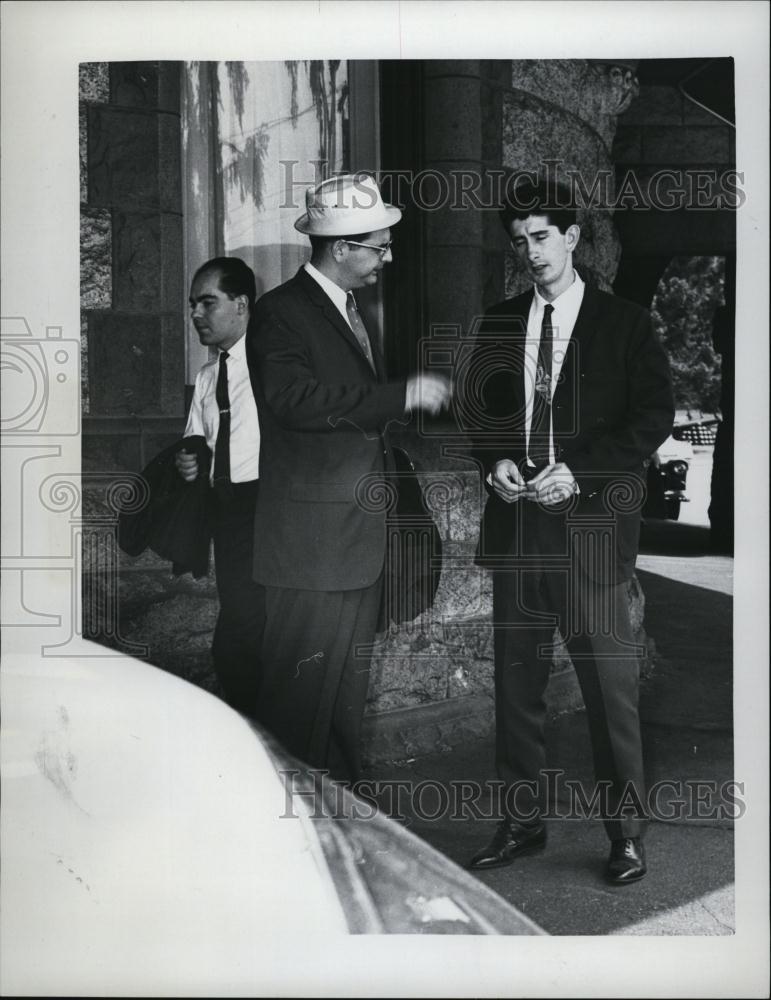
<point x="238" y="633"/>
<point x="543" y="588"/>
<point x="316" y="657"/>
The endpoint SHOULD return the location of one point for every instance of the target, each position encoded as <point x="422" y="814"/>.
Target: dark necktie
<point x="540" y="426"/>
<point x="222" y="446"/>
<point x="358" y="328"/>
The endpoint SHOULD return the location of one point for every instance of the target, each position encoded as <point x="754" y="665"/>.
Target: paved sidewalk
<point x="686" y="712"/>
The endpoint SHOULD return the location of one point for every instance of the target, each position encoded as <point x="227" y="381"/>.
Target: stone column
<point x="462" y="144"/>
<point x="132" y="296"/>
<point x="453" y="242"/>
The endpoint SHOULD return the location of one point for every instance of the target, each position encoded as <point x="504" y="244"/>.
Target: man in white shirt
<point x="325" y="403"/>
<point x="224" y="411"/>
<point x="576" y="395"/>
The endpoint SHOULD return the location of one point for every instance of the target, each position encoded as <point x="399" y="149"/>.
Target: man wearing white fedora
<point x="325" y="404"/>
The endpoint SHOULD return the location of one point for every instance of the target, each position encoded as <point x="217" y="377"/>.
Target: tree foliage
<point x="683" y="310"/>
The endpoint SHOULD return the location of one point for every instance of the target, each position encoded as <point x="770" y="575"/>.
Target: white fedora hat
<point x="340" y="206"/>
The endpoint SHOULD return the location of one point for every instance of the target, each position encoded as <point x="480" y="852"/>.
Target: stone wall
<point x="559" y="119"/>
<point x="672" y="147"/>
<point x="132" y="300"/>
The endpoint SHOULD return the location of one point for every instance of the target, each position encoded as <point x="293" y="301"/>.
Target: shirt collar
<point x="238" y="350"/>
<point x="333" y="291"/>
<point x="569" y="299"/>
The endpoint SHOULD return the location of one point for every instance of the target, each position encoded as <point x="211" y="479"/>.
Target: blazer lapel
<point x="576" y="350"/>
<point x="321" y="300"/>
<point x="517" y="324"/>
<point x="379" y="360"/>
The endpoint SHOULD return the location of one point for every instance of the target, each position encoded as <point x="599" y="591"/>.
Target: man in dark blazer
<point x="325" y="404"/>
<point x="576" y="394"/>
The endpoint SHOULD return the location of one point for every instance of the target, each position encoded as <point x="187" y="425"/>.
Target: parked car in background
<point x="666" y="480"/>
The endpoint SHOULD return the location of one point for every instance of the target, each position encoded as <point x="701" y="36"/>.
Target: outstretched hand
<point x="428" y="392"/>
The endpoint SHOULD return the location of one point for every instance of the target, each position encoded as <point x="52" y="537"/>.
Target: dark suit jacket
<point x="320" y="518"/>
<point x="611" y="409"/>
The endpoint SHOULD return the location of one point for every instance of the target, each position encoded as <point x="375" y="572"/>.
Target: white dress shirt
<point x="563" y="320"/>
<point x="204" y="415"/>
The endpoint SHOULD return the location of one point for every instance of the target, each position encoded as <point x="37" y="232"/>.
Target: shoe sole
<point x="625" y="881"/>
<point x="509" y="861"/>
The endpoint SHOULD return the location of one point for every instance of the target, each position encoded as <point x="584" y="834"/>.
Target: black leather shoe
<point x="510" y="842"/>
<point x="626" y="862"/>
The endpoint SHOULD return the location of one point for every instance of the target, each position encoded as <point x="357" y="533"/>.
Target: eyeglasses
<point x="382" y="248"/>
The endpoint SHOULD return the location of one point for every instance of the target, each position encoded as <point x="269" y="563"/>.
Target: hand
<point x="507" y="481"/>
<point x="427" y="392"/>
<point x="187" y="466"/>
<point x="553" y="485"/>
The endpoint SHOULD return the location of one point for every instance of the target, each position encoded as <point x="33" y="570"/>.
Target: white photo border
<point x="43" y="44"/>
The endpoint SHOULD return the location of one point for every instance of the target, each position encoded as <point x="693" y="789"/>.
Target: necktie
<point x="222" y="445"/>
<point x="358" y="328"/>
<point x="540" y="426"/>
